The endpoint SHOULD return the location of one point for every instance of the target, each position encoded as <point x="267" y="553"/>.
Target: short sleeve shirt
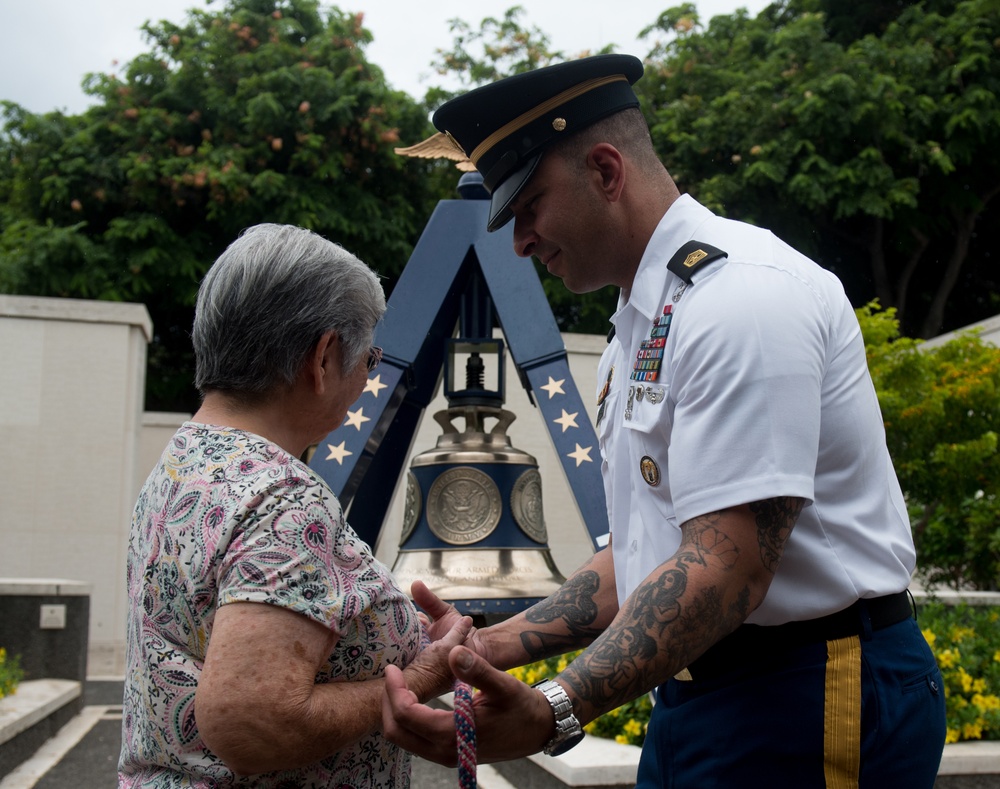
<point x="760" y="389"/>
<point x="228" y="517"/>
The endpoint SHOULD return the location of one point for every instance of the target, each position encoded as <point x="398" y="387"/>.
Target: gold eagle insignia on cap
<point x="440" y="145"/>
<point x="694" y="257"/>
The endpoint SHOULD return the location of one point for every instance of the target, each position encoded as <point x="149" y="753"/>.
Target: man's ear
<point x="608" y="165"/>
<point x="322" y="361"/>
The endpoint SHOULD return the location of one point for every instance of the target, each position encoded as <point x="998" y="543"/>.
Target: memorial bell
<point x="474" y="530"/>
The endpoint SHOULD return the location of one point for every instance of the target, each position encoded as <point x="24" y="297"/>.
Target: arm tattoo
<point x="574" y="604"/>
<point x="662" y="621"/>
<point x="775" y="518"/>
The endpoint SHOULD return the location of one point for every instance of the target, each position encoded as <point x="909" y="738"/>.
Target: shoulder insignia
<point x="691" y="257"/>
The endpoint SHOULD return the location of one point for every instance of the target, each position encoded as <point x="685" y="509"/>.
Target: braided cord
<point x="465" y="730"/>
<point x="465" y="727"/>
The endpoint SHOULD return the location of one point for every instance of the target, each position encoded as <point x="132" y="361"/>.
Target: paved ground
<point x="84" y="755"/>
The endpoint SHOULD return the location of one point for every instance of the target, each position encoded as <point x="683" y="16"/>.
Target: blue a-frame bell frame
<point x="457" y="270"/>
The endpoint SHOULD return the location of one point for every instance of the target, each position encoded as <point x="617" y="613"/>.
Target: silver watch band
<point x="568" y="729"/>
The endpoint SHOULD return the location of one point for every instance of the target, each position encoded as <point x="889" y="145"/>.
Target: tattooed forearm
<point x="622" y="663"/>
<point x="575" y="605"/>
<point x="705" y="591"/>
<point x="619" y="659"/>
<point x="775" y="519"/>
<point x="573" y="602"/>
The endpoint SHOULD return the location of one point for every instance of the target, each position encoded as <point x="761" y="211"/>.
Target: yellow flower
<point x="951" y="735"/>
<point x="948" y="658"/>
<point x="996" y="656"/>
<point x="973" y="731"/>
<point x="633" y="728"/>
<point x="929" y="636"/>
<point x="965" y="678"/>
<point x="959" y="633"/>
<point x="621" y="739"/>
<point x="986" y="703"/>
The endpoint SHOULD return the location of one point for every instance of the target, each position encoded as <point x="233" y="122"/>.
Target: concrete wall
<point x="71" y="389"/>
<point x="988" y="330"/>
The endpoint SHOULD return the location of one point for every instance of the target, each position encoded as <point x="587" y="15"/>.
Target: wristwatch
<point x="568" y="729"/>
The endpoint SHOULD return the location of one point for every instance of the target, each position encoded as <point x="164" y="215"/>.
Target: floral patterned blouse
<point x="228" y="517"/>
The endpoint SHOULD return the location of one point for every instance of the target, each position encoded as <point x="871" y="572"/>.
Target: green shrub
<point x="966" y="642"/>
<point x="11" y="673"/>
<point x="941" y="409"/>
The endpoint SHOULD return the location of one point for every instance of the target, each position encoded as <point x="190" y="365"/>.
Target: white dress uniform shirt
<point x="763" y="391"/>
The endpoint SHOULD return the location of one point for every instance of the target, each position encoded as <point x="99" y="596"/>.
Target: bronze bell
<point x="473" y="528"/>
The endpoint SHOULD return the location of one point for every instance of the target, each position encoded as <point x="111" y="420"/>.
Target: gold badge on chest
<point x="650" y="471"/>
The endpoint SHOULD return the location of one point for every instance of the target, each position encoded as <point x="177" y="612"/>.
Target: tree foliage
<point x="265" y="110"/>
<point x="874" y="154"/>
<point x="865" y="134"/>
<point x="941" y="407"/>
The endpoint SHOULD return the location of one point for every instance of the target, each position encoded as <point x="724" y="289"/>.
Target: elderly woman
<point x="260" y="625"/>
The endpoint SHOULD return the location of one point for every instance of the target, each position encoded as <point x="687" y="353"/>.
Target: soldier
<point x="760" y="552"/>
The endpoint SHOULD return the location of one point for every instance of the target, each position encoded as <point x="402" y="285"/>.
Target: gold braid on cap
<point x="533" y="114"/>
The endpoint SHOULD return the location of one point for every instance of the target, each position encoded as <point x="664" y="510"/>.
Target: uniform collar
<point x="676" y="227"/>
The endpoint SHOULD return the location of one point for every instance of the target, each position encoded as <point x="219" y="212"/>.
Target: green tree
<point x="941" y="407"/>
<point x="874" y="154"/>
<point x="265" y="110"/>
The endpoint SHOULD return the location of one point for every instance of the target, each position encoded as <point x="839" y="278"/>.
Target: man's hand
<point x="512" y="719"/>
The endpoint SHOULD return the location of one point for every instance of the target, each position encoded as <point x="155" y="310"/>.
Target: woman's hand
<point x="430" y="675"/>
<point x="438" y="617"/>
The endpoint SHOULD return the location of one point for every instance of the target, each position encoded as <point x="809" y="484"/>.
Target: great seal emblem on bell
<point x="526" y="505"/>
<point x="463" y="506"/>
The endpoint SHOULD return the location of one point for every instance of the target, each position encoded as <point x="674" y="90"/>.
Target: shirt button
<point x="635" y="546"/>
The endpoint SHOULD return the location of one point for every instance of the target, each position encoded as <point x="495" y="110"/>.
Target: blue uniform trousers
<point x="861" y="711"/>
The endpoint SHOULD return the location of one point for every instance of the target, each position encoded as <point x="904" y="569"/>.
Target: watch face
<point x="565" y="745"/>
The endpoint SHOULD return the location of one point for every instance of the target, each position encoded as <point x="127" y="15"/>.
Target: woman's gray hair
<point x="267" y="300"/>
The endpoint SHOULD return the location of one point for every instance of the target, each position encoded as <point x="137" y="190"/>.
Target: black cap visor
<point x="506" y="192"/>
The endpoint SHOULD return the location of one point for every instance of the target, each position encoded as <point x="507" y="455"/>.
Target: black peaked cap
<point x="505" y="126"/>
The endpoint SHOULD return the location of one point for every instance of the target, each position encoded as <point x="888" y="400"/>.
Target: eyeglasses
<point x="374" y="357"/>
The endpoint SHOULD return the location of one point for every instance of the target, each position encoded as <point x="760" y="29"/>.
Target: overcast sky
<point x="48" y="46"/>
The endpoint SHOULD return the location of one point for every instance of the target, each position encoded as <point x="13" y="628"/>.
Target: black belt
<point x="753" y="645"/>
